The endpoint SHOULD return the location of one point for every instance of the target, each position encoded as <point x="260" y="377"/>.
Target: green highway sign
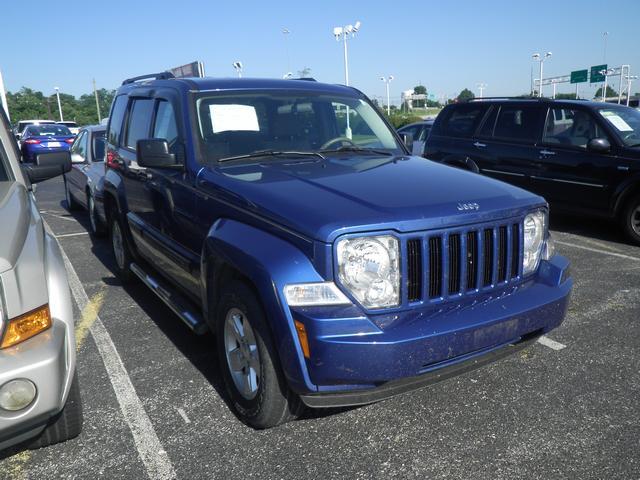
<point x="596" y="76"/>
<point x="579" y="76"/>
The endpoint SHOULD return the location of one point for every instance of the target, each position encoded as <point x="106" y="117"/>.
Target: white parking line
<point x="68" y="219"/>
<point x="183" y="415"/>
<point x="147" y="443"/>
<point x="596" y="250"/>
<point x="552" y="344"/>
<point x="72" y="234"/>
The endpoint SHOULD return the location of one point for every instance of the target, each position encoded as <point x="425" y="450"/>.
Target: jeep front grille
<point x="462" y="261"/>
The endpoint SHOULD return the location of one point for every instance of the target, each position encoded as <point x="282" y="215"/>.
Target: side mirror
<point x="407" y="139"/>
<point x="599" y="145"/>
<point x="48" y="165"/>
<point x="154" y="153"/>
<point x="76" y="158"/>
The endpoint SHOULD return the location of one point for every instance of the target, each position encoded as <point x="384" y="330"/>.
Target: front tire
<point x="249" y="361"/>
<point x="65" y="425"/>
<point x="71" y="202"/>
<point x="120" y="249"/>
<point x="631" y="219"/>
<point x="97" y="227"/>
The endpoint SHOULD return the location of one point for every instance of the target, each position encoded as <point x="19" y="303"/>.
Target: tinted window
<point x="139" y="121"/>
<point x="461" y="121"/>
<point x="3" y="166"/>
<point x="98" y="146"/>
<point x="79" y="147"/>
<point x="571" y="127"/>
<point x="165" y="124"/>
<point x="115" y="119"/>
<point x="489" y="123"/>
<point x="518" y="123"/>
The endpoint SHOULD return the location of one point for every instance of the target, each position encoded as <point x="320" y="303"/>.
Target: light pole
<point x="540" y="58"/>
<point x="95" y="93"/>
<point x="554" y="83"/>
<point x="629" y="79"/>
<point x="342" y="33"/>
<point x="387" y="81"/>
<point x="606" y="74"/>
<point x="604" y="53"/>
<point x="238" y="66"/>
<point x="57" y="89"/>
<point x="481" y="87"/>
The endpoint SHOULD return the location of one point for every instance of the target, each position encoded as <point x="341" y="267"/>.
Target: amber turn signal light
<point x="302" y="336"/>
<point x="26" y="326"/>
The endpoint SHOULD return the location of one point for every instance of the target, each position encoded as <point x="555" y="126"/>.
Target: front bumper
<point x="358" y="359"/>
<point x="44" y="360"/>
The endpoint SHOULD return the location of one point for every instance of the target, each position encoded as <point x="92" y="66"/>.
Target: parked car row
<point x="583" y="157"/>
<point x="288" y="218"/>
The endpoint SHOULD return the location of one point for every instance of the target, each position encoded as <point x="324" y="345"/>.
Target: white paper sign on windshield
<point x="617" y="121"/>
<point x="233" y="117"/>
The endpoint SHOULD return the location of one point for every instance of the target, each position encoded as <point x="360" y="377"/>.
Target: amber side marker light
<point x="302" y="336"/>
<point x="26" y="326"/>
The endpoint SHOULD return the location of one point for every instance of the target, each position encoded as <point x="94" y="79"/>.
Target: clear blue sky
<point x="445" y="45"/>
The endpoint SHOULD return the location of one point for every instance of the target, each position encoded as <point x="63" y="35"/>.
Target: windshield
<point x="23" y="125"/>
<point x="48" y="130"/>
<point x="244" y="123"/>
<point x="625" y="122"/>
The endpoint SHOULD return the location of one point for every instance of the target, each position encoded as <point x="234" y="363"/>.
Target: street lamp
<point x="387" y="81"/>
<point x="57" y="89"/>
<point x="238" y="66"/>
<point x="606" y="74"/>
<point x="629" y="79"/>
<point x="286" y="32"/>
<point x="554" y="83"/>
<point x="343" y="33"/>
<point x="540" y="58"/>
<point x="481" y="87"/>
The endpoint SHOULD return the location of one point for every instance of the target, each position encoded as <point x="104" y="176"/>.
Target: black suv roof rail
<point x="523" y="97"/>
<point x="154" y="76"/>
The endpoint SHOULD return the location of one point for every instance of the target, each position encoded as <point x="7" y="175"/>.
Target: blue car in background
<point x="44" y="139"/>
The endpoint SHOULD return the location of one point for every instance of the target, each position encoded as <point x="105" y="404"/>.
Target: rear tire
<point x="71" y="202"/>
<point x="631" y="219"/>
<point x="266" y="401"/>
<point x="97" y="227"/>
<point x="65" y="425"/>
<point x="120" y="249"/>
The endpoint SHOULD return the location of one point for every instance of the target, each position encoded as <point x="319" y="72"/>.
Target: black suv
<point x="581" y="156"/>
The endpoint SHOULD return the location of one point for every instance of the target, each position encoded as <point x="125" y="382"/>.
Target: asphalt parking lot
<point x="565" y="408"/>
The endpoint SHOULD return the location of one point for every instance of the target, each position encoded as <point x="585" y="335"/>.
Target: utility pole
<point x="57" y="89"/>
<point x="387" y="81"/>
<point x="95" y="92"/>
<point x="481" y="87"/>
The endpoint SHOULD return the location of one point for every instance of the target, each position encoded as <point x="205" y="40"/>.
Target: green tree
<point x="610" y="93"/>
<point x="566" y="96"/>
<point x="465" y="95"/>
<point x="419" y="90"/>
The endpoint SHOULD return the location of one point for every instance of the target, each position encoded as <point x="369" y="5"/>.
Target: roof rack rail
<point x="306" y="79"/>
<point x="154" y="76"/>
<point x="521" y="97"/>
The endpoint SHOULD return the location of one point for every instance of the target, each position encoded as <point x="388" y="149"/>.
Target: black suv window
<point x="571" y="127"/>
<point x="519" y="123"/>
<point x="461" y="121"/>
<point x="139" y="121"/>
<point x="115" y="119"/>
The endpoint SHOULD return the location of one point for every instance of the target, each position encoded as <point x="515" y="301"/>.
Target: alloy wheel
<point x="241" y="350"/>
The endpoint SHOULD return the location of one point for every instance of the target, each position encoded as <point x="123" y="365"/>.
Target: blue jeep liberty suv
<point x="335" y="269"/>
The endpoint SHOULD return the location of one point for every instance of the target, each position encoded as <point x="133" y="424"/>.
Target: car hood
<point x="353" y="193"/>
<point x="15" y="218"/>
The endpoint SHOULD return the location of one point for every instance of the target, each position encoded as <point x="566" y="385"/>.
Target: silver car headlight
<point x="535" y="225"/>
<point x="369" y="267"/>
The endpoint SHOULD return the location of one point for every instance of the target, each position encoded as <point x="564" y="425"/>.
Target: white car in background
<point x="73" y="126"/>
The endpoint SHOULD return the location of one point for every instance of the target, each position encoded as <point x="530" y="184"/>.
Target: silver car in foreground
<point x="39" y="393"/>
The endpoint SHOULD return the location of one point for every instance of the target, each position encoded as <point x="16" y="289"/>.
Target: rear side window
<point x="520" y="123"/>
<point x="115" y="119"/>
<point x="139" y="121"/>
<point x="461" y="121"/>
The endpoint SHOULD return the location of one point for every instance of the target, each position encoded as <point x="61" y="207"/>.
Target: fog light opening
<point x="17" y="394"/>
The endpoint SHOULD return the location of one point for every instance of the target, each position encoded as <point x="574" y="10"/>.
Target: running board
<point x="174" y="301"/>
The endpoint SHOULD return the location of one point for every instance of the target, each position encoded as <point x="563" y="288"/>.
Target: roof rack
<point x="154" y="76"/>
<point x="522" y="97"/>
<point x="306" y="79"/>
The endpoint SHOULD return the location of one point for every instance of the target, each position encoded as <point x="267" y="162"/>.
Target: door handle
<point x="479" y="145"/>
<point x="547" y="153"/>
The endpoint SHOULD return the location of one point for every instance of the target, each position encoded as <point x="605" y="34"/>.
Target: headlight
<point x="369" y="267"/>
<point x="534" y="232"/>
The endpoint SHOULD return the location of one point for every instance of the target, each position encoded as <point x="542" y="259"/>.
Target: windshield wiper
<point x="353" y="148"/>
<point x="271" y="153"/>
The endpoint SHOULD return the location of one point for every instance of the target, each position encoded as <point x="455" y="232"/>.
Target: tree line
<point x="27" y="104"/>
